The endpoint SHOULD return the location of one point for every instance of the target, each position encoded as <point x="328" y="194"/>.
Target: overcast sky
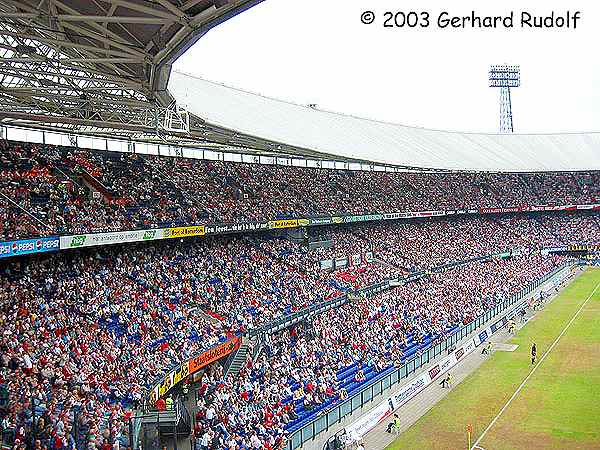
<point x="318" y="51"/>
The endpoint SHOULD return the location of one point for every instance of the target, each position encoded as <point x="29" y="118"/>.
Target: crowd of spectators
<point x="420" y="244"/>
<point x="59" y="190"/>
<point x="321" y="362"/>
<point x="94" y="331"/>
<point x="86" y="334"/>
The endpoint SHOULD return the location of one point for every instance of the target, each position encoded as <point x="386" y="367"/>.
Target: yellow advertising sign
<point x="181" y="232"/>
<point x="288" y="223"/>
<point x="192" y="366"/>
<point x="181" y="373"/>
<point x="166" y="385"/>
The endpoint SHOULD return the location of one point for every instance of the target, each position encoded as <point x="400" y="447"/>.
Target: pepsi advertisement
<point x="28" y="246"/>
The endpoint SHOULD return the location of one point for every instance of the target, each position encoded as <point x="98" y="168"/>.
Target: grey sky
<point x="318" y="51"/>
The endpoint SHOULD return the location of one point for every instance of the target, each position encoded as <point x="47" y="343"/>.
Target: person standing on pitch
<point x="533" y="353"/>
<point x="487" y="349"/>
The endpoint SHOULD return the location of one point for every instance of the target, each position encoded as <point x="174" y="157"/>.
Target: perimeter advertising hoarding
<point x="537" y="208"/>
<point x="413" y="214"/>
<point x="408" y="391"/>
<point x="588" y="207"/>
<point x="88" y="240"/>
<point x="117" y="237"/>
<point x="363" y="218"/>
<point x="215" y="353"/>
<point x="235" y="227"/>
<point x="502" y="210"/>
<point x="181" y="232"/>
<point x="583" y="248"/>
<point x="287" y="223"/>
<point x="320" y="221"/>
<point x="192" y="366"/>
<point x="29" y="246"/>
<point x="392" y="216"/>
<point x="367" y="422"/>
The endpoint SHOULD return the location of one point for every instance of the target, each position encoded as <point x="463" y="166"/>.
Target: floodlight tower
<point x="505" y="77"/>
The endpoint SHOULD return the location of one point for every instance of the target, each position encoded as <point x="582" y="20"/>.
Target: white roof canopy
<point x="379" y="142"/>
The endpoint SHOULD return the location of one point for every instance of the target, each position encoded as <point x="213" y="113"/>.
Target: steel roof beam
<point x="103" y="30"/>
<point x="143" y="9"/>
<point x="82" y="18"/>
<point x="63" y="43"/>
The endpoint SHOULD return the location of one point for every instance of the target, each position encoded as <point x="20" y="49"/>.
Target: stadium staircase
<point x="164" y="428"/>
<point x="236" y="361"/>
<point x="65" y="173"/>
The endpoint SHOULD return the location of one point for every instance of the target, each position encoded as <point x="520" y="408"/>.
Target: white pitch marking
<point x="534" y="369"/>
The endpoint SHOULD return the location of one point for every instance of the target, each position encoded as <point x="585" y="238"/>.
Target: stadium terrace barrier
<point x="191" y="366"/>
<point x="356" y="430"/>
<point x="389" y="378"/>
<point x="287" y="321"/>
<point x="140" y="235"/>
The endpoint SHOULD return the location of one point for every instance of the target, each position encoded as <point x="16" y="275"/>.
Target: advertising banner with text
<point x="29" y="246"/>
<point x="26" y="246"/>
<point x="192" y="366"/>
<point x="181" y="232"/>
<point x="358" y="429"/>
<point x="117" y="237"/>
<point x="235" y="227"/>
<point x="287" y="223"/>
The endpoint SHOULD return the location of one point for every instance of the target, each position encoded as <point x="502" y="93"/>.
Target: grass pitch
<point x="558" y="407"/>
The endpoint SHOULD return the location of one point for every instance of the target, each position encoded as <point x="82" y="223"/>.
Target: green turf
<point x="558" y="408"/>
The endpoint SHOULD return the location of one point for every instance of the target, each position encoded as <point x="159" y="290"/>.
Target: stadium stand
<point x="61" y="190"/>
<point x="86" y="334"/>
<point x="89" y="336"/>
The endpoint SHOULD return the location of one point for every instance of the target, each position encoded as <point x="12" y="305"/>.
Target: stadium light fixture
<point x="505" y="77"/>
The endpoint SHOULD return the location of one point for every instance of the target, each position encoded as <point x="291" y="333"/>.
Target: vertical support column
<point x="506" y="121"/>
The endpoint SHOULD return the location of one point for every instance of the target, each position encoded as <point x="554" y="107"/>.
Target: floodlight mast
<point x="505" y="77"/>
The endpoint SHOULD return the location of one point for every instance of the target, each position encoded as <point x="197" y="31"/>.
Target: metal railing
<point x="366" y="395"/>
<point x="291" y="319"/>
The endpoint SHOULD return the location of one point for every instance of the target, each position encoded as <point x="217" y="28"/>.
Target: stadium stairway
<point x="235" y="362"/>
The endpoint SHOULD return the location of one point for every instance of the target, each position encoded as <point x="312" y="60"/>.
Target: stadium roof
<point x="303" y="129"/>
<point x="100" y="65"/>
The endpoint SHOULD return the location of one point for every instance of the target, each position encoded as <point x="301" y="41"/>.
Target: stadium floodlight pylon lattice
<point x="505" y="77"/>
